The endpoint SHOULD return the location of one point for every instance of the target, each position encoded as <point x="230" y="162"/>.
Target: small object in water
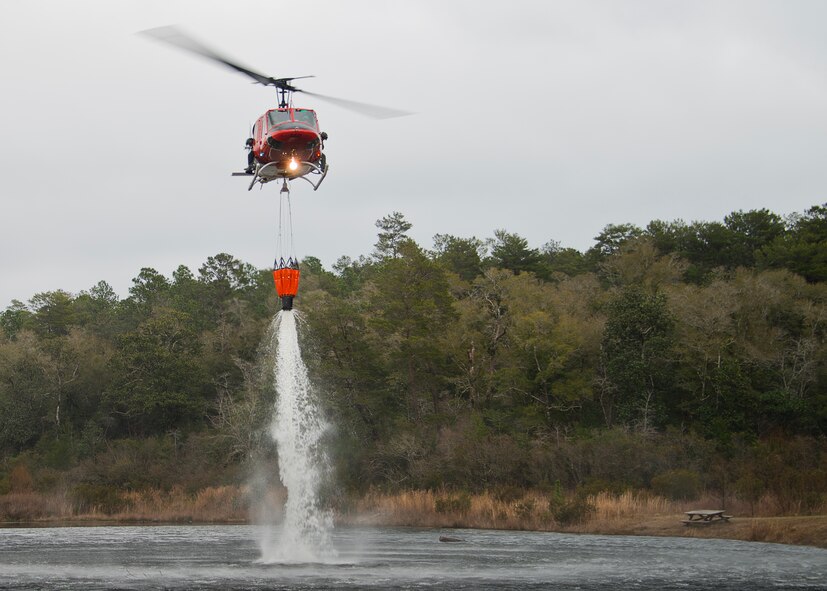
<point x="450" y="539"/>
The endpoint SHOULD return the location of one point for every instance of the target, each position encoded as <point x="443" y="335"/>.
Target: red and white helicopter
<point x="286" y="142"/>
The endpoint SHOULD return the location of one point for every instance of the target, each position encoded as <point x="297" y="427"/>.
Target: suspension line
<point x="285" y="243"/>
<point x="292" y="252"/>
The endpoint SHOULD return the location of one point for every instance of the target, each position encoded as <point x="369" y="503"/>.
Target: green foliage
<point x="412" y="307"/>
<point x="23" y="392"/>
<point x="751" y="232"/>
<point x="14" y="318"/>
<point x="148" y="288"/>
<point x="96" y="308"/>
<point x="655" y="356"/>
<point x="637" y="346"/>
<point x="803" y="248"/>
<point x="53" y="313"/>
<point x="55" y="452"/>
<point x="612" y="237"/>
<point x="557" y="260"/>
<point x="462" y="256"/>
<point x="159" y="382"/>
<point x="740" y="241"/>
<point x="393" y="233"/>
<point x="352" y="274"/>
<point x="510" y="251"/>
<point x="92" y="438"/>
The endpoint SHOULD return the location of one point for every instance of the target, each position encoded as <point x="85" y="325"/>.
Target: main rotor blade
<point x="174" y="36"/>
<point x="177" y="38"/>
<point x="375" y="111"/>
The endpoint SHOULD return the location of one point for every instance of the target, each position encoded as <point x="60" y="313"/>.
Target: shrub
<point x="20" y="479"/>
<point x="682" y="485"/>
<point x="98" y="497"/>
<point x="557" y="497"/>
<point x="593" y="486"/>
<point x="507" y="493"/>
<point x="571" y="512"/>
<point x="749" y="488"/>
<point x="453" y="504"/>
<point x="525" y="508"/>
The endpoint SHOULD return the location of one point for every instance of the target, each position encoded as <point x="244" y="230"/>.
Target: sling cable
<point x="286" y="273"/>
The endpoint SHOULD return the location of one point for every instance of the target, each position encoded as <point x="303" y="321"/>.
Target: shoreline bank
<point x="795" y="530"/>
<point x="601" y="514"/>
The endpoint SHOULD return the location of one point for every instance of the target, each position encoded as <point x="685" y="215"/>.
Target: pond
<point x="227" y="557"/>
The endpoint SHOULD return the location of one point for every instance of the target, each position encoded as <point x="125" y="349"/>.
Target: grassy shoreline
<point x="625" y="514"/>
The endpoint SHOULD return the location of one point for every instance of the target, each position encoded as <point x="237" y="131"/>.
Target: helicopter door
<point x="258" y="146"/>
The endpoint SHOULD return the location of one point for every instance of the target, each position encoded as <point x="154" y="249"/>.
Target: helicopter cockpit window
<point x="278" y="117"/>
<point x="304" y="116"/>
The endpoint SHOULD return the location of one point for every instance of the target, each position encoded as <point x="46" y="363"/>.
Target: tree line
<point x="679" y="348"/>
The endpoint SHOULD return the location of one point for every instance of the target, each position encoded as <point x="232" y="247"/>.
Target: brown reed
<point x="223" y="504"/>
<point x="33" y="506"/>
<point x="630" y="513"/>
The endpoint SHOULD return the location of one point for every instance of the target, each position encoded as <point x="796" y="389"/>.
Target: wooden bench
<point x="706" y="517"/>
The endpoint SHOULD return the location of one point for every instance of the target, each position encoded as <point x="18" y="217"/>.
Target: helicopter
<point x="285" y="142"/>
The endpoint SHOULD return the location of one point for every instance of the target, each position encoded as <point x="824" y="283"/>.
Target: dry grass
<point x="810" y="530"/>
<point x="628" y="513"/>
<point x="33" y="506"/>
<point x="531" y="511"/>
<point x="209" y="505"/>
<point x="223" y="504"/>
<point x="419" y="508"/>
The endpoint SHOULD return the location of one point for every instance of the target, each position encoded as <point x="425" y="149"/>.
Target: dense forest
<point x="675" y="357"/>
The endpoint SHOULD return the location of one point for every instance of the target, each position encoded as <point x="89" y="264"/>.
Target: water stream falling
<point x="297" y="428"/>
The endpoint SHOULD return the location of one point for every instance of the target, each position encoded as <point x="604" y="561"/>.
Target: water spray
<point x="298" y="429"/>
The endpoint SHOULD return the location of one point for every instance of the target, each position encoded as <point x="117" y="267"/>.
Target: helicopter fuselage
<point x="287" y="142"/>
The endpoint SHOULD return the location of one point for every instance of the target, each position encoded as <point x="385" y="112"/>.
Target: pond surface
<point x="226" y="557"/>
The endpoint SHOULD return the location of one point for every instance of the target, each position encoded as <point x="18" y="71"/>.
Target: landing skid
<point x="271" y="172"/>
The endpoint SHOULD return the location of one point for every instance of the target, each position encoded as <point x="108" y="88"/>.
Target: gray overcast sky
<point x="549" y="119"/>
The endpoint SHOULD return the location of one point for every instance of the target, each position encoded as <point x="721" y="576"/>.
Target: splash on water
<point x="297" y="428"/>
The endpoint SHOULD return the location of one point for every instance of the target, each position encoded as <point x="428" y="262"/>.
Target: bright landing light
<point x="293" y="164"/>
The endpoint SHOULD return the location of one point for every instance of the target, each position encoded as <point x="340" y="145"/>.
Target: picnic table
<point x="706" y="517"/>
